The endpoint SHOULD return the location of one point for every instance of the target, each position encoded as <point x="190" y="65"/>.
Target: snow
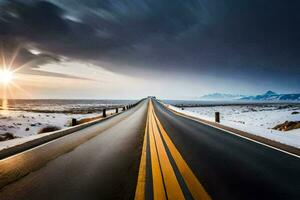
<point x="17" y="122"/>
<point x="17" y="141"/>
<point x="26" y="124"/>
<point x="255" y="119"/>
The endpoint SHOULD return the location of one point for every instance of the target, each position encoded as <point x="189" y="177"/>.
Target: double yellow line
<point x="164" y="181"/>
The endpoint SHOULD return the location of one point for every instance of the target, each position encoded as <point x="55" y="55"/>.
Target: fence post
<point x="117" y="110"/>
<point x="217" y="117"/>
<point x="104" y="112"/>
<point x="74" y="122"/>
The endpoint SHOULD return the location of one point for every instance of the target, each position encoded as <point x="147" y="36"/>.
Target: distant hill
<point x="268" y="96"/>
<point x="221" y="96"/>
<point x="272" y="96"/>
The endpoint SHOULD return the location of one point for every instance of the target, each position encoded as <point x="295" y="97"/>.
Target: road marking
<point x="140" y="188"/>
<point x="158" y="185"/>
<point x="172" y="186"/>
<point x="241" y="136"/>
<point x="165" y="184"/>
<point x="193" y="184"/>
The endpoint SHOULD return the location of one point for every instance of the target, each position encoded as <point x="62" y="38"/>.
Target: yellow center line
<point x="140" y="188"/>
<point x="172" y="186"/>
<point x="193" y="184"/>
<point x="158" y="186"/>
<point x="165" y="183"/>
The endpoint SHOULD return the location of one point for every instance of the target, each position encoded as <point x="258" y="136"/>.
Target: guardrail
<point x="4" y="153"/>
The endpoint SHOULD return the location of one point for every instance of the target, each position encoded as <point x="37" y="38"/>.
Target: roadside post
<point x="104" y="112"/>
<point x="217" y="117"/>
<point x="74" y="122"/>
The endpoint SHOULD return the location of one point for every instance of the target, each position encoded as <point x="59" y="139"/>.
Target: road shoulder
<point x="258" y="139"/>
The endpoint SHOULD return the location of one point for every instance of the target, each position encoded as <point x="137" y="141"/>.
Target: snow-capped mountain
<point x="268" y="96"/>
<point x="272" y="96"/>
<point x="221" y="96"/>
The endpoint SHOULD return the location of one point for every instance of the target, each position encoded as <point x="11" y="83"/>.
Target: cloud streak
<point x="216" y="37"/>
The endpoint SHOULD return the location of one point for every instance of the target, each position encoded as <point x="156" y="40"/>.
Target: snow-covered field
<point x="254" y="119"/>
<point x="26" y="125"/>
<point x="25" y="118"/>
<point x="23" y="123"/>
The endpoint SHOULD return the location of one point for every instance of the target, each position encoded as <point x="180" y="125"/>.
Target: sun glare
<point x="6" y="76"/>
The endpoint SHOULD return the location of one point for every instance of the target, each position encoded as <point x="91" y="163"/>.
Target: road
<point x="149" y="152"/>
<point x="104" y="166"/>
<point x="219" y="164"/>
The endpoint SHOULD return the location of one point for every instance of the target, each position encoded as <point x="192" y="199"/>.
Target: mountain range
<point x="268" y="96"/>
<point x="222" y="96"/>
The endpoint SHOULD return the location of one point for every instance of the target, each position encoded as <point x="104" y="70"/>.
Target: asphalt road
<point x="103" y="167"/>
<point x="149" y="152"/>
<point x="230" y="167"/>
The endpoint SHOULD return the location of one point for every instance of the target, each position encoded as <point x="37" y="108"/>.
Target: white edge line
<point x="272" y="147"/>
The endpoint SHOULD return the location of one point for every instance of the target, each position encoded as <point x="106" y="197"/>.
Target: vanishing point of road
<point x="150" y="152"/>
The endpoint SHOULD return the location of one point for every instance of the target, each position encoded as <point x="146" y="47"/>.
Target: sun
<point x="6" y="76"/>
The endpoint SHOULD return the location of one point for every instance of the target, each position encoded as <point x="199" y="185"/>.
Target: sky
<point x="129" y="49"/>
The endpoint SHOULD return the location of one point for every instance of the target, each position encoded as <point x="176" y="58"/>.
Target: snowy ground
<point x="25" y="122"/>
<point x="16" y="122"/>
<point x="254" y="119"/>
<point x="22" y="123"/>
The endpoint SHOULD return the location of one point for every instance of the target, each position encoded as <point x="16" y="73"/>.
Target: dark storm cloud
<point x="221" y="37"/>
<point x="102" y="29"/>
